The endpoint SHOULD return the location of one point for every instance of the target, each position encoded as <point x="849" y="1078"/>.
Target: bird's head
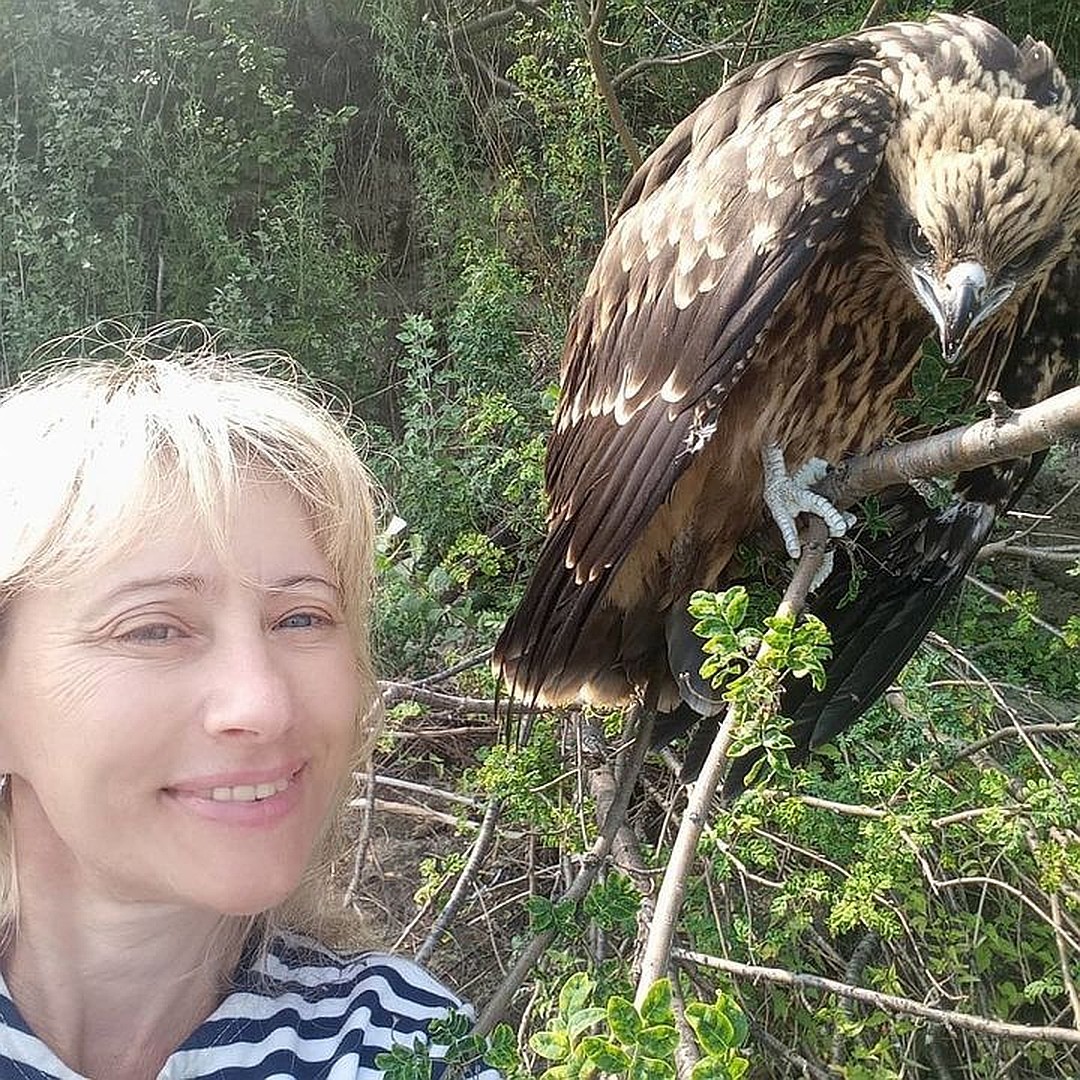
<point x="984" y="199"/>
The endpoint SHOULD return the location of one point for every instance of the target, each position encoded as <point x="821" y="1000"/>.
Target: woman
<point x="185" y="689"/>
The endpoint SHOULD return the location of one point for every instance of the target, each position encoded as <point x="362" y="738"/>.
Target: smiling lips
<point x="240" y="793"/>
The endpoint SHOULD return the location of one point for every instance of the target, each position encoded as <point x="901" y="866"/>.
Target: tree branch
<point x="464" y="882"/>
<point x="591" y="22"/>
<point x="657" y="953"/>
<point x="886" y="1002"/>
<point x="1020" y="433"/>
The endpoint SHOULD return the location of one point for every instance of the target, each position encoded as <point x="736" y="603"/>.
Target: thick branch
<point x="886" y="1002"/>
<point x="669" y="902"/>
<point x="1020" y="433"/>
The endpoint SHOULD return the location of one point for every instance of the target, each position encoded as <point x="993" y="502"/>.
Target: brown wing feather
<point x="683" y="289"/>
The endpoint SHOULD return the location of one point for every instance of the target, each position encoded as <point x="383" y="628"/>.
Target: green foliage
<point x="613" y="903"/>
<point x="750" y="662"/>
<point x="451" y="1041"/>
<point x="160" y="161"/>
<point x="938" y="397"/>
<point x="466" y="469"/>
<point x="585" y="1038"/>
<point x="526" y="779"/>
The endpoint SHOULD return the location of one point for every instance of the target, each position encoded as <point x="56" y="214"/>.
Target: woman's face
<point x="175" y="725"/>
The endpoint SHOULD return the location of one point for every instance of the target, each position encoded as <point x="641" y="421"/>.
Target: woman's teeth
<point x="249" y="792"/>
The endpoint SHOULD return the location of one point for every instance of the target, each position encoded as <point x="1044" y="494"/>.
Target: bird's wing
<point x="718" y="227"/>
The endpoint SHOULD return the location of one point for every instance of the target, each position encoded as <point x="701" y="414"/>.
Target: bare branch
<point x="873" y="13"/>
<point x="464" y="882"/>
<point x="395" y="692"/>
<point x="1022" y="432"/>
<point x="494" y="19"/>
<point x="591" y="22"/>
<point x="1001" y="598"/>
<point x="673" y="60"/>
<point x="886" y="1002"/>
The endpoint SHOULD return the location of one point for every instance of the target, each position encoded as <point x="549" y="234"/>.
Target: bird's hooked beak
<point x="959" y="302"/>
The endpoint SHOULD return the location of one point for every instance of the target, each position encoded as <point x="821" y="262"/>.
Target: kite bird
<point x="771" y="275"/>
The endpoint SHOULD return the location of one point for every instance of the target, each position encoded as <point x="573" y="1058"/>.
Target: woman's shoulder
<point x="299" y="965"/>
<point x="298" y="1001"/>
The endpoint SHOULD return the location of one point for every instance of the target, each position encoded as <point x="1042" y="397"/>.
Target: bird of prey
<point x="763" y="296"/>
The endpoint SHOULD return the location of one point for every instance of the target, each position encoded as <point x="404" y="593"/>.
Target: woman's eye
<point x="151" y="633"/>
<point x="303" y="620"/>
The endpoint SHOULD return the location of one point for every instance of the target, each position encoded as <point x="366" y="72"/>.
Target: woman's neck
<point x="113" y="987"/>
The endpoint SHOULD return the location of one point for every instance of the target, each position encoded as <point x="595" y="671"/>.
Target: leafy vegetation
<point x="407" y="197"/>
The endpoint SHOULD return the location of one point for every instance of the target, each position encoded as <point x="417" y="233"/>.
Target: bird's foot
<point x="788" y="496"/>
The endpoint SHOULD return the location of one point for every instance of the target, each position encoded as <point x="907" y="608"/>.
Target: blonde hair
<point x="121" y="428"/>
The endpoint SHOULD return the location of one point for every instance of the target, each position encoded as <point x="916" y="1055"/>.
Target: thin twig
<point x="464" y="882"/>
<point x="873" y="13"/>
<point x="1002" y="599"/>
<point x="456" y="669"/>
<point x="395" y="692"/>
<point x="420" y="789"/>
<point x="590" y="866"/>
<point x="363" y="843"/>
<point x="1009" y="733"/>
<point x="886" y="1002"/>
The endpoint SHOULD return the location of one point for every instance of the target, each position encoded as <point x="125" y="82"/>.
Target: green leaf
<point x="575" y="994"/>
<point x="583" y="1019"/>
<point x="551" y="1045"/>
<point x="605" y="1055"/>
<point x="658" y="1041"/>
<point x="558" y="1072"/>
<point x="646" y="1068"/>
<point x="715" y="1032"/>
<point x="710" y="1068"/>
<point x="656" y="1008"/>
<point x="623" y="1020"/>
<point x="502" y="1052"/>
<point x="734" y="603"/>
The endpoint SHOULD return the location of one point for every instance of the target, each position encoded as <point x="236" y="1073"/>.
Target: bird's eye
<point x="918" y="242"/>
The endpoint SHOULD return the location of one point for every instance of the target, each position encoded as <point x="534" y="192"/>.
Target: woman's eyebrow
<point x="297" y="581"/>
<point x="188" y="582"/>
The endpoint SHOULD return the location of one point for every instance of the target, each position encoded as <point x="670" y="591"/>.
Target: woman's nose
<point x="248" y="691"/>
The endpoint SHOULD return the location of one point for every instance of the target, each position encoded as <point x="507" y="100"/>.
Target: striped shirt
<point x="300" y="1012"/>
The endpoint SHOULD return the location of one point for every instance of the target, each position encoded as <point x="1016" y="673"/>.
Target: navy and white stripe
<point x="301" y="1012"/>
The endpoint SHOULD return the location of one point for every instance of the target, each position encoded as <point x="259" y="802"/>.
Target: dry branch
<point x="591" y="21"/>
<point x="464" y="882"/>
<point x="395" y="692"/>
<point x="657" y="953"/>
<point x="886" y="1002"/>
